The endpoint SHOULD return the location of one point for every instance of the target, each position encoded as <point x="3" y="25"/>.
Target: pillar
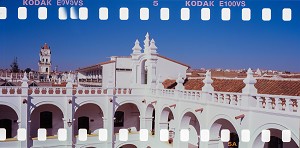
<point x="69" y="116"/>
<point x="25" y="112"/>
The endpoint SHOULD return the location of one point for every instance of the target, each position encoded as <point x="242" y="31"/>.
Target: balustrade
<point x="277" y="102"/>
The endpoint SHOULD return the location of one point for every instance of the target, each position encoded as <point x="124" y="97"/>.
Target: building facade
<point x="134" y="99"/>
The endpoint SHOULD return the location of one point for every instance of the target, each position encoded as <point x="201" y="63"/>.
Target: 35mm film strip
<point x="124" y="13"/>
<point x="144" y="135"/>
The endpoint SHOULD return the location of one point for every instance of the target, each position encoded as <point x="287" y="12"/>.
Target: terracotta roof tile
<point x="94" y="66"/>
<point x="264" y="86"/>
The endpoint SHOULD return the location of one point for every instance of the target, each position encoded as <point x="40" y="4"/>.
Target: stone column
<point x="108" y="119"/>
<point x="25" y="112"/>
<point x="69" y="114"/>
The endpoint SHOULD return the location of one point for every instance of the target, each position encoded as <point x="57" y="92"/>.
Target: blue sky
<point x="213" y="44"/>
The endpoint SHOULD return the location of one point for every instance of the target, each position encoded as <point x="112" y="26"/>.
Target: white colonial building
<point x="148" y="92"/>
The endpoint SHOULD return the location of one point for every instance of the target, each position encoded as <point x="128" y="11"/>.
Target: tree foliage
<point x="15" y="66"/>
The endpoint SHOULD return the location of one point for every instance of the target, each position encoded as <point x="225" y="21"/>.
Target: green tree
<point x="27" y="70"/>
<point x="15" y="66"/>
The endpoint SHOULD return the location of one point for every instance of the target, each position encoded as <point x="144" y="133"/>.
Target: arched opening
<point x="144" y="72"/>
<point x="128" y="146"/>
<point x="46" y="69"/>
<point x="46" y="116"/>
<point x="167" y="119"/>
<point x="275" y="140"/>
<point x="150" y="118"/>
<point x="223" y="124"/>
<point x="46" y="60"/>
<point x="127" y="116"/>
<point x="90" y="117"/>
<point x="189" y="121"/>
<point x="8" y="120"/>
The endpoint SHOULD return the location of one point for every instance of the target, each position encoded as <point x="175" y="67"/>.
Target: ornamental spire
<point x="137" y="48"/>
<point x="249" y="81"/>
<point x="207" y="82"/>
<point x="153" y="48"/>
<point x="146" y="42"/>
<point x="179" y="81"/>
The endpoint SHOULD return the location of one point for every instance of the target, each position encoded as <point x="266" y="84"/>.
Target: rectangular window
<point x="123" y="69"/>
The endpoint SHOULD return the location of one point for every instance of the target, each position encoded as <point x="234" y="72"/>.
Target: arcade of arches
<point x="126" y="116"/>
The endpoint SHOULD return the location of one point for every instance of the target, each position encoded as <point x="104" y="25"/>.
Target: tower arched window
<point x="46" y="69"/>
<point x="144" y="72"/>
<point x="46" y="60"/>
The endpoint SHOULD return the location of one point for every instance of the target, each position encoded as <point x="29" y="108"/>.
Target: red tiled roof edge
<point x="173" y="61"/>
<point x="264" y="86"/>
<point x="99" y="64"/>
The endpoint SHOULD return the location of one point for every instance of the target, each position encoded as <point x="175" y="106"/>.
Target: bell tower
<point x="45" y="62"/>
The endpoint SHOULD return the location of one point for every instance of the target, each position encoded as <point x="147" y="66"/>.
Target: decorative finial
<point x="207" y="82"/>
<point x="69" y="78"/>
<point x="137" y="48"/>
<point x="153" y="47"/>
<point x="249" y="81"/>
<point x="179" y="82"/>
<point x="146" y="42"/>
<point x="24" y="80"/>
<point x="25" y="77"/>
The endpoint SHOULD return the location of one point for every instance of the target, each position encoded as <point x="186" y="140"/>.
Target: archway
<point x="127" y="116"/>
<point x="167" y="119"/>
<point x="189" y="121"/>
<point x="46" y="116"/>
<point x="9" y="121"/>
<point x="150" y="118"/>
<point x="88" y="116"/>
<point x="275" y="140"/>
<point x="128" y="146"/>
<point x="224" y="124"/>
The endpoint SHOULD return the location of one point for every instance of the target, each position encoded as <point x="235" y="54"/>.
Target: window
<point x="46" y="60"/>
<point x="119" y="119"/>
<point x="123" y="69"/>
<point x="46" y="119"/>
<point x="46" y="69"/>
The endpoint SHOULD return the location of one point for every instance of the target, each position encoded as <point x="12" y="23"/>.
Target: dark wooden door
<point x="6" y="123"/>
<point x="83" y="123"/>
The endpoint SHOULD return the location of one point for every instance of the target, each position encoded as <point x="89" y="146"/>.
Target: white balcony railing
<point x="265" y="102"/>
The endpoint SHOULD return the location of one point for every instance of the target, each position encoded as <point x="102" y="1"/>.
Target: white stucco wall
<point x="108" y="73"/>
<point x="168" y="69"/>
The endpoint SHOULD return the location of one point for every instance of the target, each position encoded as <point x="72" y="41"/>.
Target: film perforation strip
<point x="144" y="135"/>
<point x="124" y="14"/>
